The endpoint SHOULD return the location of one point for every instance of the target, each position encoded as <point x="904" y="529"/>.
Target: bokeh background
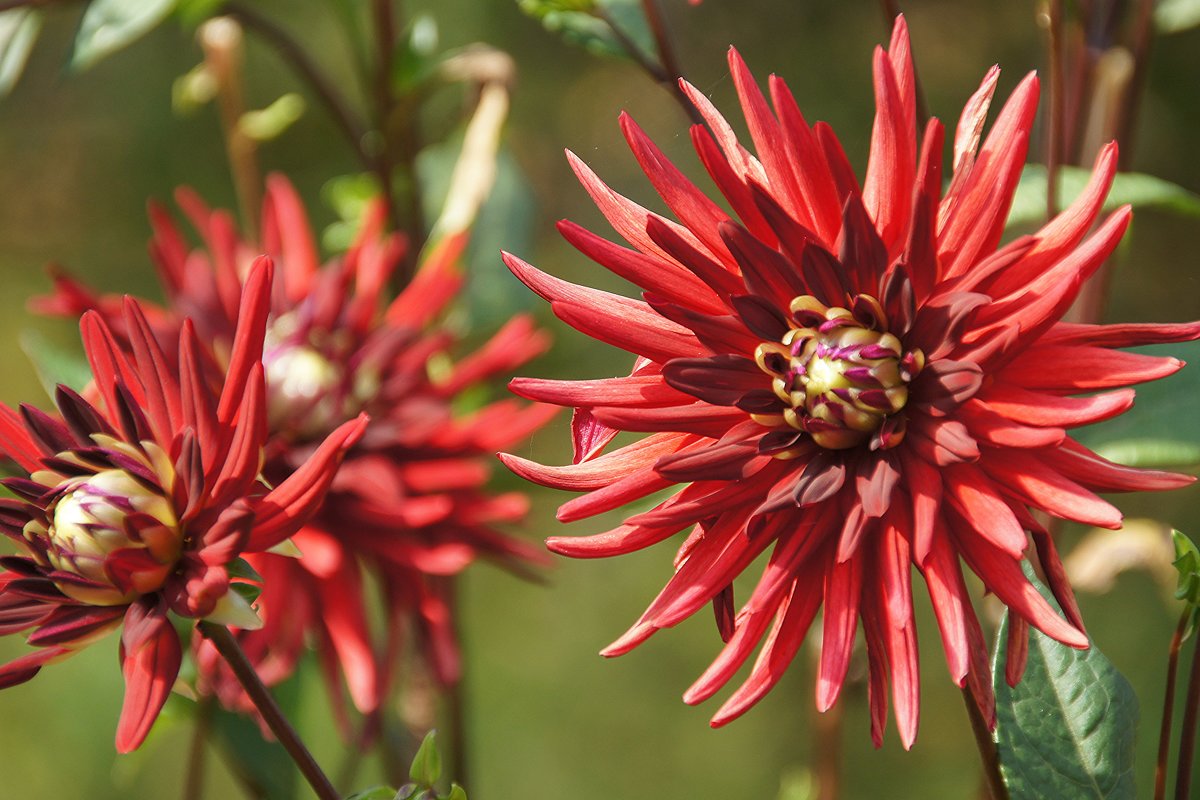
<point x="549" y="719"/>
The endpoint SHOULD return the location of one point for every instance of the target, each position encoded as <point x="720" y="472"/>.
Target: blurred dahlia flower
<point x="410" y="502"/>
<point x="861" y="379"/>
<point x="137" y="502"/>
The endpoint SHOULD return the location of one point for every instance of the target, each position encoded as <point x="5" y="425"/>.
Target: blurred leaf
<point x="584" y="23"/>
<point x="55" y="364"/>
<point x="427" y="763"/>
<point x="1161" y="453"/>
<point x="414" y="61"/>
<point x="260" y="764"/>
<point x="1164" y="411"/>
<point x="241" y="568"/>
<point x="348" y="196"/>
<point x="19" y="29"/>
<point x="269" y="123"/>
<point x="506" y="220"/>
<point x="456" y="792"/>
<point x="1067" y="729"/>
<point x="110" y="25"/>
<point x="1136" y="189"/>
<point x="377" y="793"/>
<point x="1173" y="16"/>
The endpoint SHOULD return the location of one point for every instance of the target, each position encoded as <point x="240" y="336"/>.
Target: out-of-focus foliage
<point x="110" y="25"/>
<point x="599" y="26"/>
<point x="1175" y="16"/>
<point x="19" y="29"/>
<point x="1139" y="191"/>
<point x="1067" y="729"/>
<point x="1187" y="564"/>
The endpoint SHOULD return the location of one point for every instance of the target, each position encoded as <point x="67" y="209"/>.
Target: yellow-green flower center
<point x="842" y="377"/>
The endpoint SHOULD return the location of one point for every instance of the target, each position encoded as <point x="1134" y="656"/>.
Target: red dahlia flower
<point x="861" y="379"/>
<point x="135" y="505"/>
<point x="410" y="502"/>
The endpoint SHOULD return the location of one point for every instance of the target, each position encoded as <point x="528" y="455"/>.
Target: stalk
<point x="193" y="786"/>
<point x="227" y="645"/>
<point x="1187" y="737"/>
<point x="1164" y="731"/>
<point x="989" y="757"/>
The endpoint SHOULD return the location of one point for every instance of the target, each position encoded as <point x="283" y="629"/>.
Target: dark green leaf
<point x="586" y="23"/>
<point x="240" y="568"/>
<point x="1140" y="191"/>
<point x="415" y="61"/>
<point x="260" y="764"/>
<point x="110" y="25"/>
<point x="427" y="763"/>
<point x="1067" y="729"/>
<point x="55" y="364"/>
<point x="19" y="29"/>
<point x="1173" y="16"/>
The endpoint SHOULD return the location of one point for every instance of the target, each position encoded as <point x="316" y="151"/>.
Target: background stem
<point x="1187" y="736"/>
<point x="193" y="786"/>
<point x="1164" y="731"/>
<point x="231" y="651"/>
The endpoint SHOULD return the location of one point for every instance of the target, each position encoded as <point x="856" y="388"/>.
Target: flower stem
<point x="1187" y="736"/>
<point x="1054" y="130"/>
<point x="665" y="68"/>
<point x="193" y="787"/>
<point x="989" y="757"/>
<point x="231" y="651"/>
<point x="1164" y="731"/>
<point x="827" y="751"/>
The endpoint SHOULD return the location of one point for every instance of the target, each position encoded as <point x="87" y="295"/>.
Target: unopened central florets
<point x="842" y="377"/>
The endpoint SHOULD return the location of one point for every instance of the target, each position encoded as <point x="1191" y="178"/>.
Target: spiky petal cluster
<point x="136" y="504"/>
<point x="857" y="378"/>
<point x="410" y="502"/>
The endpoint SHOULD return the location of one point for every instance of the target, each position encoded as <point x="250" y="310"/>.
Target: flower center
<point x="113" y="529"/>
<point x="842" y="377"/>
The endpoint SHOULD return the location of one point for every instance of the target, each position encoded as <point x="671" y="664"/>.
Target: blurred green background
<point x="549" y="719"/>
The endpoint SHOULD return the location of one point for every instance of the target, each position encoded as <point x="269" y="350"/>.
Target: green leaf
<point x="241" y="568"/>
<point x="376" y="793"/>
<point x="1067" y="729"/>
<point x="1174" y="16"/>
<point x="427" y="763"/>
<point x="414" y="62"/>
<point x="1136" y="189"/>
<point x="55" y="364"/>
<point x="19" y="28"/>
<point x="456" y="793"/>
<point x="1160" y="453"/>
<point x="194" y="12"/>
<point x="348" y="196"/>
<point x="259" y="764"/>
<point x="1187" y="562"/>
<point x="110" y="25"/>
<point x="586" y="23"/>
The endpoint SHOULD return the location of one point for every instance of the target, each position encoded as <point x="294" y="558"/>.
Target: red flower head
<point x="136" y="504"/>
<point x="410" y="502"/>
<point x="861" y="379"/>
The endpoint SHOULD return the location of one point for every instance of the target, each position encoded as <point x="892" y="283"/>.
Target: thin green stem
<point x="227" y="645"/>
<point x="1164" y="731"/>
<point x="989" y="757"/>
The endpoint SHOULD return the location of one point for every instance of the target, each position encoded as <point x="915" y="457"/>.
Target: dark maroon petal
<point x="823" y="476"/>
<point x="938" y="327"/>
<point x="729" y="458"/>
<point x="71" y="623"/>
<point x="22" y="669"/>
<point x="763" y="318"/>
<point x="765" y="270"/>
<point x="52" y="435"/>
<point x="860" y="248"/>
<point x="722" y="281"/>
<point x="80" y="416"/>
<point x="719" y="334"/>
<point x="945" y="384"/>
<point x="722" y="604"/>
<point x="721" y="380"/>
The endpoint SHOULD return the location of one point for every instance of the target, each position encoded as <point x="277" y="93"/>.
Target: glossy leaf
<point x="1136" y="189"/>
<point x="19" y="28"/>
<point x="110" y="25"/>
<point x="1067" y="729"/>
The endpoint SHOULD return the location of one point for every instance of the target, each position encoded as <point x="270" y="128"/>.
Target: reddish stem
<point x="227" y="645"/>
<point x="1164" y="731"/>
<point x="1187" y="736"/>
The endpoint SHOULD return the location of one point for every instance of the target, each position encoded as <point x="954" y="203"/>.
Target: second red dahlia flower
<point x="137" y="503"/>
<point x="858" y="378"/>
